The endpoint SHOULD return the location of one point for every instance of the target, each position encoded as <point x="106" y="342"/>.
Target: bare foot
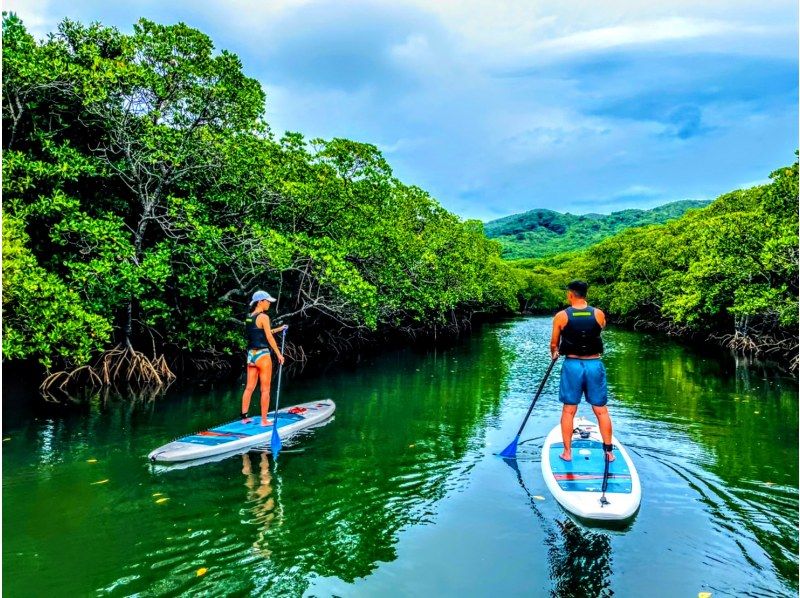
<point x="566" y="456"/>
<point x="265" y="422"/>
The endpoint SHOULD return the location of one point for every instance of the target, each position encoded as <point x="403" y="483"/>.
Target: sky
<point x="500" y="107"/>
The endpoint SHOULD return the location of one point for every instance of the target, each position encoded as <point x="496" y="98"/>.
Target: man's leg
<point x="597" y="396"/>
<point x="604" y="422"/>
<point x="570" y="389"/>
<point x="567" y="417"/>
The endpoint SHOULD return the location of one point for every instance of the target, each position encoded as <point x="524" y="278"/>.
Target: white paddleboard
<point x="577" y="484"/>
<point x="237" y="435"/>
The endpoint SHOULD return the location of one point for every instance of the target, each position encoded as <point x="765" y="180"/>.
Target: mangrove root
<point x="123" y="363"/>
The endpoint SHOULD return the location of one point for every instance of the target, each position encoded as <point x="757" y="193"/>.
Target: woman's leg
<point x="265" y="377"/>
<point x="252" y="380"/>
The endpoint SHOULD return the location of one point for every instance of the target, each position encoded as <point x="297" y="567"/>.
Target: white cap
<point x="262" y="296"/>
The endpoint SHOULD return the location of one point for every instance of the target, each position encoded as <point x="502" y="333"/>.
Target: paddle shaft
<point x="278" y="390"/>
<point x="538" y="392"/>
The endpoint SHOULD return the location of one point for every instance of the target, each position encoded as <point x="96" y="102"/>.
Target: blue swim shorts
<point x="583" y="376"/>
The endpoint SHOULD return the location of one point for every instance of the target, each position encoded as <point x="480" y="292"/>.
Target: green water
<point x="400" y="495"/>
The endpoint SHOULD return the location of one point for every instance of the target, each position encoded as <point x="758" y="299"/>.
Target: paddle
<point x="275" y="440"/>
<point x="510" y="452"/>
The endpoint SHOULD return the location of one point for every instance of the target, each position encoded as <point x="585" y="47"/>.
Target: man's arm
<point x="559" y="321"/>
<point x="600" y="317"/>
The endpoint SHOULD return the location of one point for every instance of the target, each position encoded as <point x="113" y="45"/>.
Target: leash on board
<point x="606" y="452"/>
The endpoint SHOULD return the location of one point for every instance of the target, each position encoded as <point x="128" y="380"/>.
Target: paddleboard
<point x="237" y="435"/>
<point x="577" y="484"/>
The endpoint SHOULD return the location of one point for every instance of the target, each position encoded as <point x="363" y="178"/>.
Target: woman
<point x="259" y="362"/>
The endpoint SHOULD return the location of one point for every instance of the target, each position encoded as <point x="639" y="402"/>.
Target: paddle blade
<point x="510" y="452"/>
<point x="275" y="441"/>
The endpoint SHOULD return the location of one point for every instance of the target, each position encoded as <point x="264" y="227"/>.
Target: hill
<point x="541" y="233"/>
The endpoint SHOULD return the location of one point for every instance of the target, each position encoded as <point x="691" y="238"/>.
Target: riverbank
<point x="786" y="360"/>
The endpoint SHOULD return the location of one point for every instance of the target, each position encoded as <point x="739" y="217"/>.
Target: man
<point x="576" y="335"/>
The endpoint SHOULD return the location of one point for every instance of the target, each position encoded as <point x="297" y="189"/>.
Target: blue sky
<point x="500" y="107"/>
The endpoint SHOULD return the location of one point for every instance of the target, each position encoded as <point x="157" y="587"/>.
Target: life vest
<point x="256" y="337"/>
<point x="581" y="335"/>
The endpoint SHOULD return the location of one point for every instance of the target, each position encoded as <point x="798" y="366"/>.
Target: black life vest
<point x="256" y="337"/>
<point x="581" y="335"/>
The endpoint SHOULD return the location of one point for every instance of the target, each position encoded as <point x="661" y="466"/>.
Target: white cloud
<point x="498" y="107"/>
<point x="644" y="32"/>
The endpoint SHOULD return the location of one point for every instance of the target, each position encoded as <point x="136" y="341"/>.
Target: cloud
<point x="497" y="108"/>
<point x="344" y="46"/>
<point x="641" y="33"/>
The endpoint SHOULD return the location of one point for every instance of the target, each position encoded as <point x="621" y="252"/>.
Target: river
<point x="401" y="494"/>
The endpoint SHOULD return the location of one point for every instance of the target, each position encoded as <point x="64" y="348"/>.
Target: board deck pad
<point x="244" y="433"/>
<point x="236" y="429"/>
<point x="585" y="472"/>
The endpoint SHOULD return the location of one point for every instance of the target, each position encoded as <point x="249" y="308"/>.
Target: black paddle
<point x="510" y="452"/>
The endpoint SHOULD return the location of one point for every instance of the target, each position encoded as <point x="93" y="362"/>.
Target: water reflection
<point x="262" y="500"/>
<point x="580" y="562"/>
<point x="715" y="446"/>
<point x="741" y="423"/>
<point x="579" y="559"/>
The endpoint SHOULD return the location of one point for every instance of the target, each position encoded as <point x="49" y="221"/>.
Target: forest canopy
<point x="145" y="198"/>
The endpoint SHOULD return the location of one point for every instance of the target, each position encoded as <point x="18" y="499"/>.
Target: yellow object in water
<point x="201" y="571"/>
<point x="704" y="595"/>
<point x="160" y="500"/>
<point x="157" y="494"/>
<point x="100" y="482"/>
<point x="537" y="497"/>
<point x="91" y="460"/>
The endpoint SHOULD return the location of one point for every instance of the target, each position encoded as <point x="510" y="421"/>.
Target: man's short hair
<point x="578" y="287"/>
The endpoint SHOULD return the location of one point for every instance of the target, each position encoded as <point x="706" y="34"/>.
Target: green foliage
<point x="731" y="267"/>
<point x="144" y="189"/>
<point x="42" y="316"/>
<point x="542" y="233"/>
